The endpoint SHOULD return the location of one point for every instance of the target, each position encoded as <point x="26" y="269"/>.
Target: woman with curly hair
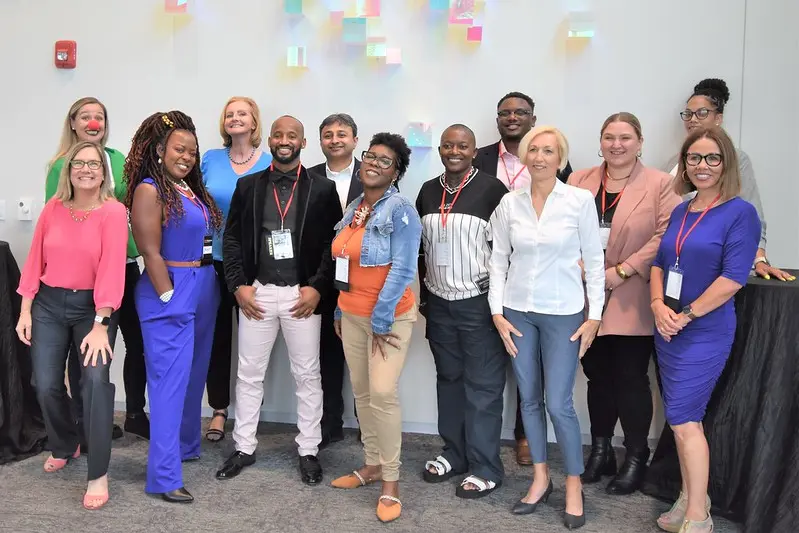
<point x="376" y="251"/>
<point x="173" y="218"/>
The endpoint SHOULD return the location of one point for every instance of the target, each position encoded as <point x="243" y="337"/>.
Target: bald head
<point x="462" y="128"/>
<point x="286" y="141"/>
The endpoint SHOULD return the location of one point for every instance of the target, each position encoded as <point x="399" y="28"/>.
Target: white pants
<point x="256" y="339"/>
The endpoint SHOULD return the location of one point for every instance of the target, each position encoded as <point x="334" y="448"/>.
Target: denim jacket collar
<point x="349" y="212"/>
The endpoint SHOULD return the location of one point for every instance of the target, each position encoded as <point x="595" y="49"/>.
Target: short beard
<point x="284" y="160"/>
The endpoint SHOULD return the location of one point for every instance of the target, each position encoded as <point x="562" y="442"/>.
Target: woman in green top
<point x="87" y="120"/>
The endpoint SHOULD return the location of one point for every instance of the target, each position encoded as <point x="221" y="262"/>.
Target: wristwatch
<point x="687" y="311"/>
<point x="761" y="259"/>
<point x="104" y="320"/>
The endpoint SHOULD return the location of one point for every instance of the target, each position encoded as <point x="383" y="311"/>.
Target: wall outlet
<point x="25" y="209"/>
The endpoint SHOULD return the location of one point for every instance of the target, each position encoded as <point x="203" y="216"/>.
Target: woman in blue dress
<point x="173" y="218"/>
<point x="704" y="258"/>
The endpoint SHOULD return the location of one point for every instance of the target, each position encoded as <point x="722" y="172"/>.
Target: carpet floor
<point x="269" y="496"/>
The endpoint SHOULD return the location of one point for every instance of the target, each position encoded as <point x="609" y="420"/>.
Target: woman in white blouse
<point x="543" y="235"/>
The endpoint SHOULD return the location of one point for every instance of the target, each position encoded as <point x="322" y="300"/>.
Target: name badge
<point x="441" y="252"/>
<point x="604" y="234"/>
<point x="282" y="247"/>
<point x="208" y="256"/>
<point x="673" y="288"/>
<point x="342" y="279"/>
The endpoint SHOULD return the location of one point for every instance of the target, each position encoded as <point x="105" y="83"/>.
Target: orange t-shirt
<point x="365" y="282"/>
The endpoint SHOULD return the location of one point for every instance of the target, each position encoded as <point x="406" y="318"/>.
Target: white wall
<point x="645" y="58"/>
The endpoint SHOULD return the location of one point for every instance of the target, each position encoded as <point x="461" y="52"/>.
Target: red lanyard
<point x="284" y="212"/>
<point x="679" y="244"/>
<point x="445" y="214"/>
<point x="507" y="174"/>
<point x="196" y="201"/>
<point x="604" y="198"/>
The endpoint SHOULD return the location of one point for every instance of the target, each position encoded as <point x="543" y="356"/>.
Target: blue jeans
<point x="544" y="347"/>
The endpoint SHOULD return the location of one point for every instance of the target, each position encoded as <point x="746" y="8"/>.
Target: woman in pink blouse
<point x="71" y="284"/>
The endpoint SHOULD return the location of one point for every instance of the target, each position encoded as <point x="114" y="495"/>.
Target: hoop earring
<point x="685" y="176"/>
<point x="599" y="153"/>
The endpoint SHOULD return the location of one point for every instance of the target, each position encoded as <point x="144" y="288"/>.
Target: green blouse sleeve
<point x="51" y="184"/>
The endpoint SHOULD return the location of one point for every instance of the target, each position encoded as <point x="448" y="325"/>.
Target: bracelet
<point x="761" y="259"/>
<point x="167" y="295"/>
<point x="620" y="271"/>
<point x="655" y="299"/>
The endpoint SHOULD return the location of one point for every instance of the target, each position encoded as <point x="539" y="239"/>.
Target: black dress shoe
<point x="572" y="521"/>
<point x="522" y="507"/>
<point x="116" y="432"/>
<point x="138" y="424"/>
<point x="329" y="437"/>
<point x="180" y="495"/>
<point x="310" y="470"/>
<point x="234" y="465"/>
<point x="631" y="474"/>
<point x="601" y="462"/>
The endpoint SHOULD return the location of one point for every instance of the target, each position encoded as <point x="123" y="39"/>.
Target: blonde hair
<point x="730" y="179"/>
<point x="563" y="144"/>
<point x="256" y="137"/>
<point x="68" y="135"/>
<point x="64" y="191"/>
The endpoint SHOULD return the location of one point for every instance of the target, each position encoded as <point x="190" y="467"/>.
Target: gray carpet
<point x="269" y="497"/>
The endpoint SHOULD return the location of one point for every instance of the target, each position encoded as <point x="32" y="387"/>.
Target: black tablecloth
<point x="752" y="421"/>
<point x="21" y="427"/>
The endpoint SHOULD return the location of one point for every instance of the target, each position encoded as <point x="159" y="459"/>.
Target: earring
<point x="159" y="160"/>
<point x="599" y="153"/>
<point x="685" y="176"/>
<point x="639" y="154"/>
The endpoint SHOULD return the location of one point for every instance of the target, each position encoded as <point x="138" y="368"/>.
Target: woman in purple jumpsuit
<point x="173" y="219"/>
<point x="705" y="257"/>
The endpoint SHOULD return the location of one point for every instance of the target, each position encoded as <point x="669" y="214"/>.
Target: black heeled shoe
<point x="180" y="495"/>
<point x="574" y="521"/>
<point x="631" y="474"/>
<point x="521" y="507"/>
<point x="601" y="462"/>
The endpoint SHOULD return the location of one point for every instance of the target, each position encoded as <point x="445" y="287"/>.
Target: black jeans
<point x="58" y="316"/>
<point x="470" y="366"/>
<point x="134" y="374"/>
<point x="332" y="363"/>
<point x="617" y="369"/>
<point x="217" y="384"/>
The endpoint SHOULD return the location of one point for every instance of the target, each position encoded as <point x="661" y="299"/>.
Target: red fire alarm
<point x="66" y="54"/>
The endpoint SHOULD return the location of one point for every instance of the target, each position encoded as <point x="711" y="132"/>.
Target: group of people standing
<point x="517" y="255"/>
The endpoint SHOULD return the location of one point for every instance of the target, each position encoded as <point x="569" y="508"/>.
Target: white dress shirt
<point x="534" y="263"/>
<point x="342" y="180"/>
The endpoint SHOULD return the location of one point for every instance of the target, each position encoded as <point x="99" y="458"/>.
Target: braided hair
<point x="143" y="162"/>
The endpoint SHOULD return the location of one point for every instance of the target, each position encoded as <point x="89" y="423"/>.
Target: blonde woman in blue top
<point x="240" y="128"/>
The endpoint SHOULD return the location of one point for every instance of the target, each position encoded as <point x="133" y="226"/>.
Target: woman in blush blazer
<point x="633" y="205"/>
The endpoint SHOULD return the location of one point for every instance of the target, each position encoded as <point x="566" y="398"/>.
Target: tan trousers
<point x="375" y="384"/>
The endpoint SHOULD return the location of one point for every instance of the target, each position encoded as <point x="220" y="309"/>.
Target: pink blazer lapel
<point x="634" y="193"/>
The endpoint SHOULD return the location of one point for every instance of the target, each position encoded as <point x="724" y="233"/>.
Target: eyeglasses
<point x="381" y="161"/>
<point x="700" y="113"/>
<point x="77" y="164"/>
<point x="712" y="160"/>
<point x="518" y="113"/>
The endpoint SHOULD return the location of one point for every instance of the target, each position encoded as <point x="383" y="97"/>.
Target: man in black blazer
<point x="515" y="117"/>
<point x="279" y="266"/>
<point x="338" y="137"/>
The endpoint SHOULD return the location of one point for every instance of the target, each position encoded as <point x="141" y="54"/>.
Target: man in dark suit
<point x="338" y="136"/>
<point x="515" y="117"/>
<point x="279" y="267"/>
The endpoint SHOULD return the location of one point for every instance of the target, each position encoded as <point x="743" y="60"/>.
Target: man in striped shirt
<point x="455" y="209"/>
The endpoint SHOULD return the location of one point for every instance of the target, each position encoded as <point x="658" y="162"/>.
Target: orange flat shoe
<point x="92" y="502"/>
<point x="54" y="465"/>
<point x="388" y="513"/>
<point x="352" y="481"/>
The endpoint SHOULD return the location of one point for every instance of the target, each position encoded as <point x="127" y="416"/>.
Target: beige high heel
<point x="672" y="520"/>
<point x="697" y="526"/>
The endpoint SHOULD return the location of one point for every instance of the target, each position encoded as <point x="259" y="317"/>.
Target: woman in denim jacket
<point x="376" y="250"/>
